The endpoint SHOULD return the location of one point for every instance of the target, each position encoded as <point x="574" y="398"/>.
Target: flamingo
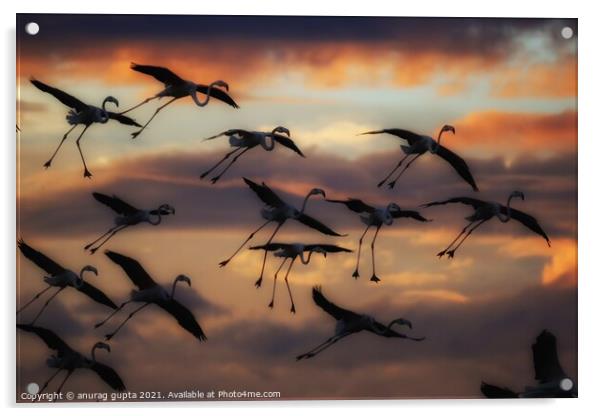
<point x="419" y="145"/>
<point x="176" y="88"/>
<point x="553" y="381"/>
<point x="82" y="113"/>
<point x="292" y="252"/>
<point x="375" y="217"/>
<point x="150" y="292"/>
<point x="483" y="212"/>
<point x="279" y="212"/>
<point x="127" y="216"/>
<point x="69" y="360"/>
<point x="61" y="278"/>
<point x="246" y="140"/>
<point x="349" y="322"/>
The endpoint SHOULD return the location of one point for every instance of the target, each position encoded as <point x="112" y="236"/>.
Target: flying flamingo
<point x="376" y="217"/>
<point x="349" y="322"/>
<point x="292" y="252"/>
<point x="127" y="216"/>
<point x="82" y="113"/>
<point x="419" y="145"/>
<point x="69" y="360"/>
<point x="553" y="381"/>
<point x="61" y="278"/>
<point x="176" y="88"/>
<point x="279" y="212"/>
<point x="483" y="212"/>
<point x="150" y="292"/>
<point x="246" y="140"/>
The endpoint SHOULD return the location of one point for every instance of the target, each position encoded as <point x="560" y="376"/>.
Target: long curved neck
<point x="207" y="97"/>
<point x="303" y="259"/>
<point x="173" y="287"/>
<point x="267" y="142"/>
<point x="436" y="145"/>
<point x="80" y="281"/>
<point x="93" y="353"/>
<point x="305" y="202"/>
<point x="157" y="221"/>
<point x="506" y="218"/>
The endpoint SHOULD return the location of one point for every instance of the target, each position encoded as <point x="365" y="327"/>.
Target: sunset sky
<point x="509" y="86"/>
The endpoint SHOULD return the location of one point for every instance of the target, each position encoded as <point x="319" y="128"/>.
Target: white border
<point x="590" y="111"/>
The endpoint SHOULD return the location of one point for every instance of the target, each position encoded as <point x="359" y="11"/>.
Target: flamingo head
<point x="101" y="345"/>
<point x="110" y="99"/>
<point x="282" y="130"/>
<point x="220" y="83"/>
<point x="183" y="278"/>
<point x="517" y="194"/>
<point x="447" y="127"/>
<point x="166" y="209"/>
<point x="79" y="282"/>
<point x="317" y="191"/>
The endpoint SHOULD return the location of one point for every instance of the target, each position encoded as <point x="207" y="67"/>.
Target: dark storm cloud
<point x="453" y="35"/>
<point x="146" y="182"/>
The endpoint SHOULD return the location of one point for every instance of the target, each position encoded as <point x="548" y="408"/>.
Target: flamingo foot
<point x="214" y="179"/>
<point x="224" y="263"/>
<point x="109" y="336"/>
<point x="450" y="254"/>
<point x="92" y="251"/>
<point x="204" y="174"/>
<point x="98" y="325"/>
<point x="87" y="174"/>
<point x="381" y="183"/>
<point x="136" y="134"/>
<point x="374" y="278"/>
<point x="271" y="305"/>
<point x="258" y="282"/>
<point x="356" y="274"/>
<point x="391" y="185"/>
<point x="441" y="253"/>
<point x="293" y="310"/>
<point x="47" y="164"/>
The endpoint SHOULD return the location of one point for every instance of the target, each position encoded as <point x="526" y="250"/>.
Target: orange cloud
<point x="540" y="133"/>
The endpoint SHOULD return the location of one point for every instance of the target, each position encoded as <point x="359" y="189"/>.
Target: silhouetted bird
<point x="279" y="212"/>
<point x="149" y="292"/>
<point x="376" y="217"/>
<point x="127" y="216"/>
<point x="292" y="252"/>
<point x="61" y="278"/>
<point x="483" y="212"/>
<point x="177" y="88"/>
<point x="84" y="114"/>
<point x="351" y="323"/>
<point x="69" y="360"/>
<point x="553" y="381"/>
<point x="419" y="145"/>
<point x="246" y="140"/>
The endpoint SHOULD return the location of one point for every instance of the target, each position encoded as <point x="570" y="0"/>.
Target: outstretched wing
<point x="115" y="203"/>
<point x="108" y="375"/>
<point x="494" y="392"/>
<point x="160" y="73"/>
<point x="356" y="205"/>
<point x="62" y="96"/>
<point x="265" y="194"/>
<point x="42" y="261"/>
<point x="287" y="142"/>
<point x="133" y="269"/>
<point x="270" y="247"/>
<point x="317" y="225"/>
<point x="545" y="359"/>
<point x="51" y="339"/>
<point x="409" y="214"/>
<point x="458" y="164"/>
<point x="218" y="94"/>
<point x="475" y="203"/>
<point x="528" y="221"/>
<point x="96" y="294"/>
<point x="122" y="119"/>
<point x="184" y="317"/>
<point x="231" y="132"/>
<point x="330" y="308"/>
<point x="406" y="135"/>
<point x="330" y="248"/>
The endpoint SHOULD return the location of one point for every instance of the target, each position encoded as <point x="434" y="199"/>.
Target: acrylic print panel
<point x="357" y="149"/>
